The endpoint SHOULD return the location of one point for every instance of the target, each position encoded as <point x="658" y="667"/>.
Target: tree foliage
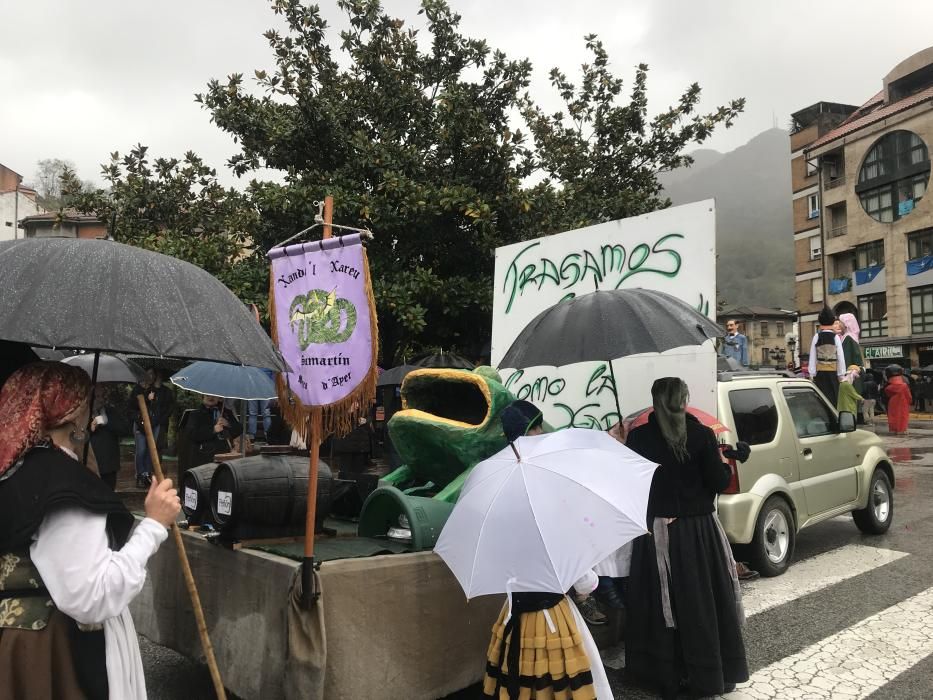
<point x="429" y="138"/>
<point x="177" y="207"/>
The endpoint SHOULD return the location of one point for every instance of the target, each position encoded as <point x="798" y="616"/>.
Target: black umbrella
<point x="444" y="359"/>
<point x="106" y="296"/>
<point x="606" y="325"/>
<point x="395" y="376"/>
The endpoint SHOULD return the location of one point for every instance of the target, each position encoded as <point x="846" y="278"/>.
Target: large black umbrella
<point x="606" y="325"/>
<point x="106" y="296"/>
<point x="444" y="359"/>
<point x="395" y="376"/>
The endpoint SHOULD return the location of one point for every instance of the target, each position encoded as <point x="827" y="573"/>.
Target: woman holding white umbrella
<point x="531" y="521"/>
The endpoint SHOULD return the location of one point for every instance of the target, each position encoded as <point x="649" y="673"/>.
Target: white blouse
<point x="93" y="584"/>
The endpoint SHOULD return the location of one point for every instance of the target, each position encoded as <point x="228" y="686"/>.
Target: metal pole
<point x="615" y="390"/>
<point x="87" y="443"/>
<point x="308" y="593"/>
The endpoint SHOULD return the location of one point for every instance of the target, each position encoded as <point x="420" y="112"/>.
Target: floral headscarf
<point x="850" y="325"/>
<point x="36" y="398"/>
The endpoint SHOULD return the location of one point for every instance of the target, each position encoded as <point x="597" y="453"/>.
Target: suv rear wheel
<point x="775" y="534"/>
<point x="876" y="517"/>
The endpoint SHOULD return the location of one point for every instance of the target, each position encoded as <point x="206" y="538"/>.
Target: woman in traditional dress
<point x="827" y="358"/>
<point x="684" y="617"/>
<point x="851" y="350"/>
<point x="897" y="392"/>
<point x="541" y="646"/>
<point x="70" y="559"/>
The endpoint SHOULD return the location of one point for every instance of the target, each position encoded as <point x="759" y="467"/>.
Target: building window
<point x="813" y="206"/>
<point x="893" y="176"/>
<point x="812" y="166"/>
<point x="816" y="252"/>
<point x="869" y="255"/>
<point x="816" y="290"/>
<point x="920" y="244"/>
<point x="764" y="329"/>
<point x="873" y="315"/>
<point x="765" y="359"/>
<point x="921" y="310"/>
<point x="780" y="327"/>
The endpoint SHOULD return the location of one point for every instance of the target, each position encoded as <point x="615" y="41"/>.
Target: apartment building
<point x="863" y="227"/>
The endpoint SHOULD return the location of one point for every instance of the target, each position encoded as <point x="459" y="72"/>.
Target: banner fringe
<point x="341" y="417"/>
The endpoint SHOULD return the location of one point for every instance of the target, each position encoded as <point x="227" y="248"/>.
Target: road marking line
<point x="853" y="663"/>
<point x="802" y="578"/>
<point x="815" y="574"/>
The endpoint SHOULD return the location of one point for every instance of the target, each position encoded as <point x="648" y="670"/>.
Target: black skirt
<point x="828" y="383"/>
<point x="705" y="650"/>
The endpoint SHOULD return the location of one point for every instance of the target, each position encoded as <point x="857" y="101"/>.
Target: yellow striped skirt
<point x="553" y="664"/>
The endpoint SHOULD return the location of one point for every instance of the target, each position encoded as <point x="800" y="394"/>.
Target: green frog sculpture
<point x="449" y="422"/>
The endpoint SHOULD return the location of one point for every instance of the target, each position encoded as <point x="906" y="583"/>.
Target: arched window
<point x="894" y="176"/>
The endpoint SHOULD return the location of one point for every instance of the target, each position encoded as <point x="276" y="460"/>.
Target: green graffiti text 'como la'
<point x="612" y="262"/>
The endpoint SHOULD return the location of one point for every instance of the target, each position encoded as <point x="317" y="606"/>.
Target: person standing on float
<point x="827" y="357"/>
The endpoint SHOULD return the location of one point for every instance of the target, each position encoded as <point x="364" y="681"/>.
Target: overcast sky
<point x="81" y="79"/>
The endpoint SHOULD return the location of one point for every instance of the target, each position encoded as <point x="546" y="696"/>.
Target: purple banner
<point x="323" y="317"/>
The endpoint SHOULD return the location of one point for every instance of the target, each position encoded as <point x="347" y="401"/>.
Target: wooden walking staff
<point x="308" y="592"/>
<point x="183" y="558"/>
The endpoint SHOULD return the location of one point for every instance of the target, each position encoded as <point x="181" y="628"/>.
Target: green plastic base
<point x="426" y="516"/>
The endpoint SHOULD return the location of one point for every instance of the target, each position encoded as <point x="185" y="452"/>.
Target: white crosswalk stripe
<point x="815" y="574"/>
<point x="853" y="663"/>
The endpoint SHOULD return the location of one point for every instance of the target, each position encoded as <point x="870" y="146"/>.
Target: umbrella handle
<point x="183" y="559"/>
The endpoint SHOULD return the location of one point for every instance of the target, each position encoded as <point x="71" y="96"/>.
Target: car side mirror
<point x="846" y="422"/>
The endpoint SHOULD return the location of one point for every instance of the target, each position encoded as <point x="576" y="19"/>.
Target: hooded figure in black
<point x="827" y="357"/>
<point x="684" y="608"/>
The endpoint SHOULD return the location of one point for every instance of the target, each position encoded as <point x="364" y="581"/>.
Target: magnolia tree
<point x="427" y="137"/>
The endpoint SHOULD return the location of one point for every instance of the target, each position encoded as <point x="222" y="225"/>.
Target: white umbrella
<point x="537" y="523"/>
<point x="111" y="368"/>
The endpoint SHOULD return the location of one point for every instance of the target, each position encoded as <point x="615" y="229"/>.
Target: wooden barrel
<point x="196" y="493"/>
<point x="266" y="495"/>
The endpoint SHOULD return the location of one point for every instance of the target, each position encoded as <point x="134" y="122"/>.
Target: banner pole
<point x="308" y="591"/>
<point x="188" y="576"/>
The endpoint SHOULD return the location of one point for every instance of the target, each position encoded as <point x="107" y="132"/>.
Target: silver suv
<point x="808" y="464"/>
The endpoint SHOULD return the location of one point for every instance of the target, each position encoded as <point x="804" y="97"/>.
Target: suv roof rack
<point x="754" y="374"/>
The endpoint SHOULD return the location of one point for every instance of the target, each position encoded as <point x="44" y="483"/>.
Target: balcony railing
<point x="832" y="184"/>
<point x="837" y="231"/>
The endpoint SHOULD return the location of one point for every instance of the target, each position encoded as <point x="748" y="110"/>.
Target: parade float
<point x="303" y="616"/>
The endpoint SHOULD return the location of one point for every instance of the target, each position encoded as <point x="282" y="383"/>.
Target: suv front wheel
<point x="775" y="534"/>
<point x="876" y="517"/>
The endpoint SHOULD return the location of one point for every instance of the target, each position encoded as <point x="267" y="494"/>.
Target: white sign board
<point x="673" y="251"/>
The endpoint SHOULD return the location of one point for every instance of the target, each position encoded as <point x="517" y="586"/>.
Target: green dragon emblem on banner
<point x="319" y="317"/>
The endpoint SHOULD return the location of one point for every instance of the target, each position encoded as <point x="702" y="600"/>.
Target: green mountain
<point x="754" y="217"/>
